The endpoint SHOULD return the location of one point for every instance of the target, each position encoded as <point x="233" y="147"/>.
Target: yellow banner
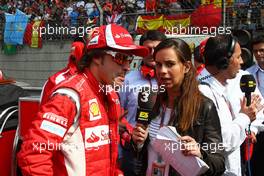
<point x="172" y="25"/>
<point x="35" y="34"/>
<point x="162" y="23"/>
<point x="149" y="22"/>
<point x="217" y="2"/>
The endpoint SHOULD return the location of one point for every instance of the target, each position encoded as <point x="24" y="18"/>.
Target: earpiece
<point x="223" y="62"/>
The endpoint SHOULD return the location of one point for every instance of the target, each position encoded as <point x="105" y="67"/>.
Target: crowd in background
<point x="71" y="13"/>
<point x="123" y="12"/>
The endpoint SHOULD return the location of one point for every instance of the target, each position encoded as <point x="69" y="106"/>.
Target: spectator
<point x="65" y="19"/>
<point x="107" y="7"/>
<point x="95" y="15"/>
<point x="74" y="16"/>
<point x="258" y="69"/>
<point x="82" y="18"/>
<point x="89" y="7"/>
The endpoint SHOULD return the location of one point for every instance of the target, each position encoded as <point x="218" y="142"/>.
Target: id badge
<point x="158" y="169"/>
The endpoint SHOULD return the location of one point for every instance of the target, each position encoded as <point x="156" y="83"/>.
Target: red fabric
<point x="28" y="110"/>
<point x="207" y="16"/>
<point x="202" y="46"/>
<point x="200" y="69"/>
<point x="129" y="127"/>
<point x="108" y="7"/>
<point x="55" y="79"/>
<point x="161" y="28"/>
<point x="126" y="135"/>
<point x="170" y="1"/>
<point x="28" y="34"/>
<point x="115" y="37"/>
<point x="248" y="149"/>
<point x="6" y="146"/>
<point x="151" y="5"/>
<point x="176" y="17"/>
<point x="77" y="50"/>
<point x="98" y="155"/>
<point x="147" y="72"/>
<point x="1" y="75"/>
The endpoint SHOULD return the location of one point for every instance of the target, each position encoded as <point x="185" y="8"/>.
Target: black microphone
<point x="146" y="101"/>
<point x="248" y="85"/>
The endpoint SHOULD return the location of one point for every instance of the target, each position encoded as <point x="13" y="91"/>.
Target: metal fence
<point x="237" y="17"/>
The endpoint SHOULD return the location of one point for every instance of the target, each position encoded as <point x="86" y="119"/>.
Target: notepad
<point x="168" y="145"/>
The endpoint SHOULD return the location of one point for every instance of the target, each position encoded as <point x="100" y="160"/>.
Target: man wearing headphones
<point x="222" y="62"/>
<point x="134" y="80"/>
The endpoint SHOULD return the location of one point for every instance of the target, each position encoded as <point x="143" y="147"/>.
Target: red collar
<point x="200" y="69"/>
<point x="95" y="85"/>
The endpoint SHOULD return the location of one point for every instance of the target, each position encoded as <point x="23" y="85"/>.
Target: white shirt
<point x="69" y="10"/>
<point x="80" y="3"/>
<point x="232" y="126"/>
<point x="89" y="7"/>
<point x="258" y="73"/>
<point x="153" y="131"/>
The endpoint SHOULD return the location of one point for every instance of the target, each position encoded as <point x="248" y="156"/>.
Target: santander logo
<point x="122" y="35"/>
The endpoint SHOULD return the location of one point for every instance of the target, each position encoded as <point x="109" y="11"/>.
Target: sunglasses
<point x="120" y="58"/>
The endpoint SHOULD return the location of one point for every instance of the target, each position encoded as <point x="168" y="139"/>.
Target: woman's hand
<point x="190" y="146"/>
<point x="139" y="134"/>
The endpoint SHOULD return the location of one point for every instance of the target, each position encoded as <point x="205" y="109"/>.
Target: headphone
<point x="223" y="61"/>
<point x="147" y="72"/>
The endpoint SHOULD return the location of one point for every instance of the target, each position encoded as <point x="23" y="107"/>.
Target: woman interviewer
<point x="184" y="107"/>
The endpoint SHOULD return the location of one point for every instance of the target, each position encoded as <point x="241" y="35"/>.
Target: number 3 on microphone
<point x="145" y="97"/>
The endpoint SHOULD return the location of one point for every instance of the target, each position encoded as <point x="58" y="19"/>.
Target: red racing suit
<point x="55" y="79"/>
<point x="75" y="132"/>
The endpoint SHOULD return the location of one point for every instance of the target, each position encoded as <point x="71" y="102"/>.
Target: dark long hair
<point x="189" y="102"/>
